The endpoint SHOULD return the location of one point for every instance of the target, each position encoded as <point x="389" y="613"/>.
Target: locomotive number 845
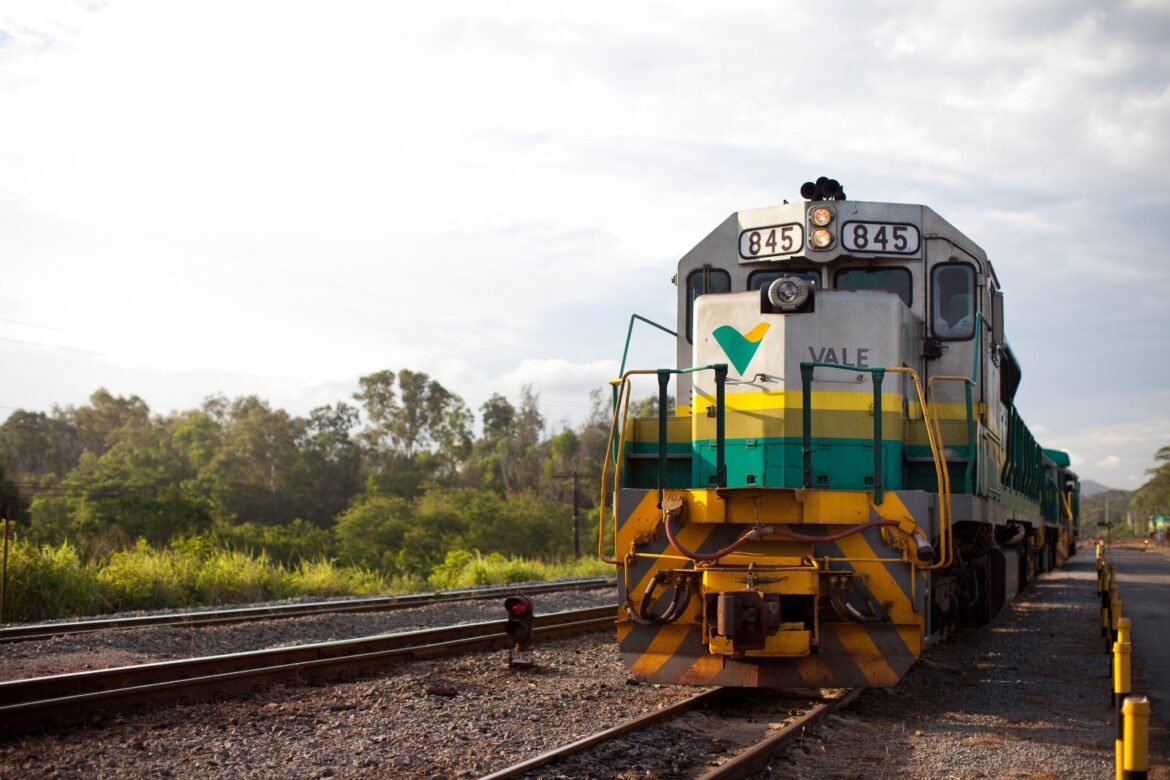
<point x="844" y="476"/>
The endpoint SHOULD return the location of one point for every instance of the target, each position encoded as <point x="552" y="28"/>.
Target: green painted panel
<point x="840" y="464"/>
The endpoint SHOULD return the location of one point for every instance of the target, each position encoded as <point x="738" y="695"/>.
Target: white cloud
<point x="1109" y="461"/>
<point x="288" y="201"/>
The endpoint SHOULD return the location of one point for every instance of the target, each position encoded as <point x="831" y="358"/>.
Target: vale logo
<point x="740" y="348"/>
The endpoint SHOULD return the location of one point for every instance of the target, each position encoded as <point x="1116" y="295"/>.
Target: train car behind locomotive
<point x="845" y="475"/>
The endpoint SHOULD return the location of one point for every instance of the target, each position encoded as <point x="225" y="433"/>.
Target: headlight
<point x="820" y="216"/>
<point x="789" y="293"/>
<point x="785" y="291"/>
<point x="821" y="239"/>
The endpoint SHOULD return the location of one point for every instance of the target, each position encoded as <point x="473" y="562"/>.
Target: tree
<point x="328" y="468"/>
<point x="110" y="420"/>
<point x="34" y="445"/>
<point x="380" y="401"/>
<point x="520" y="453"/>
<point x="253" y="470"/>
<point x="1153" y="498"/>
<point x="372" y="531"/>
<point x="134" y="492"/>
<point x="12" y="507"/>
<point x="420" y="426"/>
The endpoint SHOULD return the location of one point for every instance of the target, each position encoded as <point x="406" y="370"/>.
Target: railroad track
<point x="740" y="765"/>
<point x="66" y="699"/>
<point x="213" y="617"/>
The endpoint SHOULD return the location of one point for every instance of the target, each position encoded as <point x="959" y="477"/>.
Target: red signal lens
<point x="519" y="608"/>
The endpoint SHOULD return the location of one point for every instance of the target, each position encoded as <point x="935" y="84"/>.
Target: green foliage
<point x="35" y="444"/>
<point x="47" y="581"/>
<point x="1113" y="504"/>
<point x="373" y="530"/>
<point x="418" y="415"/>
<point x="1153" y="498"/>
<point x="145" y="578"/>
<point x="237" y="500"/>
<point x="323" y="577"/>
<point x="289" y="543"/>
<point x="144" y="491"/>
<point x="462" y="569"/>
<point x="50" y="521"/>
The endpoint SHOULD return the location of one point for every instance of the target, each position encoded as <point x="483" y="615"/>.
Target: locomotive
<point x="843" y="476"/>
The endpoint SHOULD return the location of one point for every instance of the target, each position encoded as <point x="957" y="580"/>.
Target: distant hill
<point x="1091" y="488"/>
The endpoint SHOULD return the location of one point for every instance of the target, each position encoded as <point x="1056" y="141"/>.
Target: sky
<point x="276" y="198"/>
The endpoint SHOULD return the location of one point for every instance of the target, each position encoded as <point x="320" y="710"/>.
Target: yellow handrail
<point x="944" y="525"/>
<point x="621" y="409"/>
<point x="938" y="432"/>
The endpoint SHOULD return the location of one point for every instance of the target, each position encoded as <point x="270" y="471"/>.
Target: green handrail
<point x="625" y="355"/>
<point x="630" y="332"/>
<point x="720" y="370"/>
<point x="806" y="375"/>
<point x="969" y="476"/>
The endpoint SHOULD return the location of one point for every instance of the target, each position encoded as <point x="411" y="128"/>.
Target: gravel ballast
<point x="1026" y="697"/>
<point x="122" y="647"/>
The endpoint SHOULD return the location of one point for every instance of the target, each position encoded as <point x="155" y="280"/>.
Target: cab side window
<point x="952" y="308"/>
<point x="700" y="282"/>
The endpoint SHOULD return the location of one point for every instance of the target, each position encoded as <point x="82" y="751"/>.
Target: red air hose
<point x="694" y="556"/>
<point x="787" y="534"/>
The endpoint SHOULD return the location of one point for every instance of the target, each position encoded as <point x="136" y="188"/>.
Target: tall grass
<point x="47" y="581"/>
<point x="462" y="569"/>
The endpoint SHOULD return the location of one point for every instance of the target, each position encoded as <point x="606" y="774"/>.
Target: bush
<point x="324" y="578"/>
<point x="234" y="577"/>
<point x="145" y="578"/>
<point x="46" y="581"/>
<point x="288" y="544"/>
<point x="462" y="569"/>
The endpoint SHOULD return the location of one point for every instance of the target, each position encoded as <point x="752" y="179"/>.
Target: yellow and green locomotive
<point x="844" y="475"/>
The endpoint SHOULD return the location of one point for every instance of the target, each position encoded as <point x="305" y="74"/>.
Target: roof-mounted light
<point x="823" y="188"/>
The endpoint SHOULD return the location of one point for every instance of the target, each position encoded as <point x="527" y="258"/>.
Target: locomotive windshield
<point x="895" y="280"/>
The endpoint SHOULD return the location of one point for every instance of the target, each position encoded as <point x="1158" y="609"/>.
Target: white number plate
<point x="880" y="238"/>
<point x="771" y="240"/>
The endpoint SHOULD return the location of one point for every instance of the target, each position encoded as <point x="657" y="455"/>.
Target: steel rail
<point x="739" y="766"/>
<point x="758" y="756"/>
<point x="634" y="724"/>
<point x="31" y="631"/>
<point x="34" y="703"/>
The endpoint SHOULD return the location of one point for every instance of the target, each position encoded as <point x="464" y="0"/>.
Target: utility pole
<point x="576" y="515"/>
<point x="7" y="503"/>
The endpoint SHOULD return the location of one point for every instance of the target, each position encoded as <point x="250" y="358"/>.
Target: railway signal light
<point x="519" y="630"/>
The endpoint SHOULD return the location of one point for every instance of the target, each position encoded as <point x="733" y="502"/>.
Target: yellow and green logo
<point x="740" y="348"/>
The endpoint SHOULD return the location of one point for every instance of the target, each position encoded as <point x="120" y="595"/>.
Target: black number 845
<point x="879" y="237"/>
<point x="766" y="241"/>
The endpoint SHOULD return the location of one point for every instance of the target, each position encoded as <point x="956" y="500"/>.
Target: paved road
<point x="1143" y="578"/>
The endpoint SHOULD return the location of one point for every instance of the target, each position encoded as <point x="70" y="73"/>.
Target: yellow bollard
<point x="1122" y="650"/>
<point x="1135" y="764"/>
<point x="1106" y="587"/>
<point x="1114" y="614"/>
<point x="1105" y="602"/>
